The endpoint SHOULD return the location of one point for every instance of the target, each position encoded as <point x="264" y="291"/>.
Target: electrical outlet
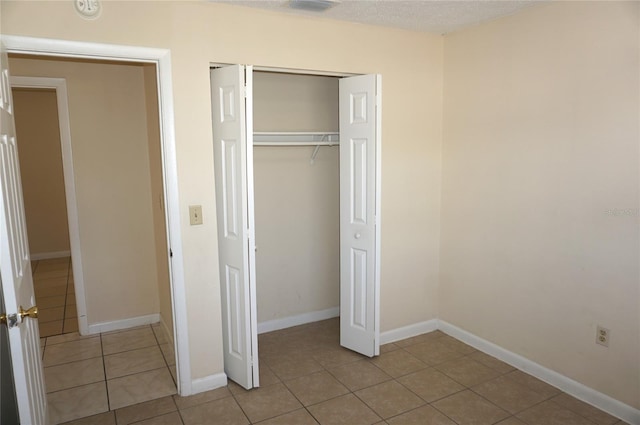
<point x="602" y="336"/>
<point x="195" y="214"/>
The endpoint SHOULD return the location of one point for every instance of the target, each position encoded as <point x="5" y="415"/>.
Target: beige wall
<point x="541" y="134"/>
<point x="297" y="206"/>
<point x="157" y="197"/>
<point x="113" y="190"/>
<point x="36" y="113"/>
<point x="198" y="33"/>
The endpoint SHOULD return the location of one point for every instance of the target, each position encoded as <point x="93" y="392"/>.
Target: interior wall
<point x="540" y="229"/>
<point x="36" y="117"/>
<point x="112" y="177"/>
<point x="297" y="209"/>
<point x="201" y="33"/>
<point x="157" y="197"/>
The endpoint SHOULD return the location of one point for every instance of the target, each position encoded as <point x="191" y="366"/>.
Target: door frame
<point x="162" y="59"/>
<point x="60" y="87"/>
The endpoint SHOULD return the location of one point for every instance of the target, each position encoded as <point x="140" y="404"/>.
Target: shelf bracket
<point x="313" y="155"/>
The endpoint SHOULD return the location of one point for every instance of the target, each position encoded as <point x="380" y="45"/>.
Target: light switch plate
<point x="195" y="214"/>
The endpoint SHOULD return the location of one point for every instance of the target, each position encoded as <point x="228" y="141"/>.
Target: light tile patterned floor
<point x="307" y="378"/>
<point x="85" y="376"/>
<point x="54" y="290"/>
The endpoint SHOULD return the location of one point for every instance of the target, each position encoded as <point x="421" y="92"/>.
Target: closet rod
<point x="258" y="143"/>
<point x="296" y="138"/>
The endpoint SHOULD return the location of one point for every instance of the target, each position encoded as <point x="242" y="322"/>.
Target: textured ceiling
<point x="434" y="16"/>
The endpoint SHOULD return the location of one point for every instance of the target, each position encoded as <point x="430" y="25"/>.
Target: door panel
<point x="15" y="268"/>
<point x="230" y="160"/>
<point x="359" y="205"/>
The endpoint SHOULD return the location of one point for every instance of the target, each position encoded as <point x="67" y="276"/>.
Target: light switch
<point x="195" y="214"/>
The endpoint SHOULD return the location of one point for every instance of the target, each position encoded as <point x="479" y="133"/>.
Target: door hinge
<point x="244" y="91"/>
<point x="170" y="253"/>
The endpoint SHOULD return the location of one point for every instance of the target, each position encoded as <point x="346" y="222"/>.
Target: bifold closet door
<point x="231" y="130"/>
<point x="359" y="213"/>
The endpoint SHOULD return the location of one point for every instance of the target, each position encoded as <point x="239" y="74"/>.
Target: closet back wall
<point x="296" y="203"/>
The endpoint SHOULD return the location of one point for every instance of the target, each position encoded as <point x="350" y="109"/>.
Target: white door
<point x="232" y="133"/>
<point x="360" y="213"/>
<point x="15" y="269"/>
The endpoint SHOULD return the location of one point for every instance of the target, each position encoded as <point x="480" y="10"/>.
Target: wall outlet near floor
<point x="602" y="336"/>
<point x="195" y="214"/>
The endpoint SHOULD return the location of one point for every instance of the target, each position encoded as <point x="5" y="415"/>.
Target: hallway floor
<point x="53" y="286"/>
<point x="88" y="375"/>
<point x="306" y="378"/>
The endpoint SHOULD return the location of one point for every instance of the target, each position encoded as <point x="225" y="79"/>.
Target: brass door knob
<point x="32" y="312"/>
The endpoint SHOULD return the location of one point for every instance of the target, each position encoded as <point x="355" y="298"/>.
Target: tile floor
<point x="85" y="376"/>
<point x="306" y="378"/>
<point x="53" y="286"/>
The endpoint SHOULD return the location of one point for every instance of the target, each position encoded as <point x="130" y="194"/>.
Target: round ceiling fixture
<point x="88" y="9"/>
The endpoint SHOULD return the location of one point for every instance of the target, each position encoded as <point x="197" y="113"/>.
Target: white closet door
<point x="230" y="157"/>
<point x="359" y="213"/>
<point x="16" y="281"/>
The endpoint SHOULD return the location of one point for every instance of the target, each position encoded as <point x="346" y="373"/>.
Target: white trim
<point x="303" y="71"/>
<point x="251" y="221"/>
<point x="210" y="382"/>
<point x="378" y="214"/>
<point x="300" y="319"/>
<point x="81" y="49"/>
<point x="298" y="71"/>
<point x="162" y="58"/>
<point x="60" y="86"/>
<point x="49" y="255"/>
<point x="580" y="391"/>
<point x="408" y="331"/>
<point x="116" y="325"/>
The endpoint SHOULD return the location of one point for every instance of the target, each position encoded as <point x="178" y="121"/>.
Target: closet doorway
<point x="240" y="95"/>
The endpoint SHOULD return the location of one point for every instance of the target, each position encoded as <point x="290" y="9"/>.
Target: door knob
<point x="32" y="312"/>
<point x="357" y="236"/>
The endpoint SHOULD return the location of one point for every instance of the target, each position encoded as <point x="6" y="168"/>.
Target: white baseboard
<point x="408" y="331"/>
<point x="207" y="383"/>
<point x="116" y="325"/>
<point x="301" y="319"/>
<point x="48" y="255"/>
<point x="580" y="391"/>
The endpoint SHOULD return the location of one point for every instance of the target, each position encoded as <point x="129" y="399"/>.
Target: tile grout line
<point x="163" y="357"/>
<point x="296" y="397"/>
<point x="238" y="403"/>
<point x="173" y="400"/>
<point x="104" y="370"/>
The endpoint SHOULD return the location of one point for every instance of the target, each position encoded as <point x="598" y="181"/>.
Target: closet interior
<point x="297" y="198"/>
